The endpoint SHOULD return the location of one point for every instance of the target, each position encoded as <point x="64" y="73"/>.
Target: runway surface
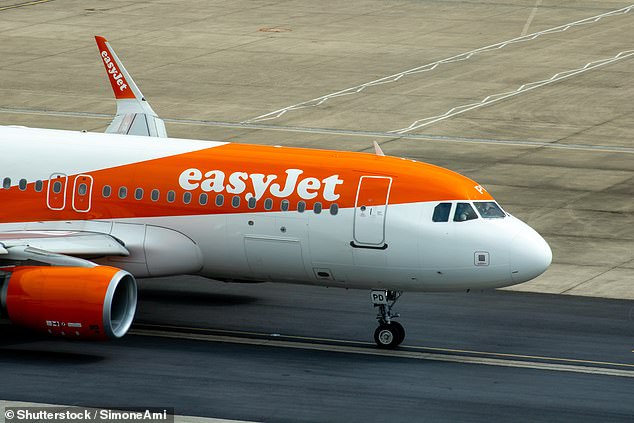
<point x="282" y="353"/>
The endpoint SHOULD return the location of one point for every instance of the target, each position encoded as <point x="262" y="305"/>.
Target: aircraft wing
<point x="134" y="115"/>
<point x="58" y="248"/>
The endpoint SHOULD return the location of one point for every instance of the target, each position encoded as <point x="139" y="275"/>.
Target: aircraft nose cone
<point x="530" y="255"/>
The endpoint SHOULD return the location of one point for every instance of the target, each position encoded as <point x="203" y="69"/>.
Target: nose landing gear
<point x="390" y="333"/>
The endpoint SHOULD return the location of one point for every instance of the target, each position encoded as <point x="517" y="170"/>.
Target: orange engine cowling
<point x="75" y="302"/>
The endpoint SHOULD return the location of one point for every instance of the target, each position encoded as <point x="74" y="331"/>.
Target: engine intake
<point x="75" y="302"/>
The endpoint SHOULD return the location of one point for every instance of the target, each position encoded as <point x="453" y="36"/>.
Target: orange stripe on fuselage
<point x="336" y="178"/>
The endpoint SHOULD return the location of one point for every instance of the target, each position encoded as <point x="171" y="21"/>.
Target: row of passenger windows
<point x="203" y="199"/>
<point x="22" y="184"/>
<point x="465" y="211"/>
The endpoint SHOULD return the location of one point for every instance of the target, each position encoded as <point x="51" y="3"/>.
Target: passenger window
<point x="220" y="200"/>
<point x="171" y="196"/>
<point x="123" y="192"/>
<point x="202" y="199"/>
<point x="317" y="208"/>
<point x="235" y="201"/>
<point x="284" y="205"/>
<point x="6" y="183"/>
<point x="39" y="185"/>
<point x="138" y="193"/>
<point x="464" y="212"/>
<point x="82" y="189"/>
<point x="489" y="210"/>
<point x="334" y="209"/>
<point x="301" y="206"/>
<point x="441" y="212"/>
<point x="22" y="184"/>
<point x="268" y="204"/>
<point x="57" y="187"/>
<point x="251" y="202"/>
<point x="105" y="192"/>
<point x="187" y="197"/>
<point x="155" y="194"/>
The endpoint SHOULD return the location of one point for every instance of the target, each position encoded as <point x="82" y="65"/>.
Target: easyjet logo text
<point x="113" y="71"/>
<point x="258" y="184"/>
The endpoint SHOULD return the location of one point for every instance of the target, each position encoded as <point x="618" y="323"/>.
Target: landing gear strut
<point x="390" y="333"/>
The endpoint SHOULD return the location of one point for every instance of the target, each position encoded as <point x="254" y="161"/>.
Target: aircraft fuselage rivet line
<point x="347" y="132"/>
<point x="462" y="359"/>
<point x="431" y="66"/>
<point x="421" y="123"/>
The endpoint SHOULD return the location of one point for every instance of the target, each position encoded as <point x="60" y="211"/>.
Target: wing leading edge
<point x="58" y="248"/>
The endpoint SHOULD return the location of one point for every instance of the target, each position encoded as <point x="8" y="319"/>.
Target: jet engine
<point x="96" y="303"/>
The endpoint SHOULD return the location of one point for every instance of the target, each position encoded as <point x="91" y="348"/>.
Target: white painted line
<point x="347" y="132"/>
<point x="463" y="359"/>
<point x="431" y="66"/>
<point x="177" y="418"/>
<point x="529" y="21"/>
<point x="421" y="123"/>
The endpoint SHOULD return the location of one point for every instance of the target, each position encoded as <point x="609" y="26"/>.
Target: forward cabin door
<point x="370" y="210"/>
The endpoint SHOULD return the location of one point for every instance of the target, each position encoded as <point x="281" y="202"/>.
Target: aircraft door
<point x="82" y="193"/>
<point x="370" y="210"/>
<point x="56" y="191"/>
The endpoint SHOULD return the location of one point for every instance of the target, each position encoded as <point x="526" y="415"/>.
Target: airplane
<point x="86" y="214"/>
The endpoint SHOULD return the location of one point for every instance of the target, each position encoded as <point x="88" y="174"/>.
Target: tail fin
<point x="134" y="114"/>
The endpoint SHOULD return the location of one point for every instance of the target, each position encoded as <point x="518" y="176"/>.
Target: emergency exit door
<point x="82" y="193"/>
<point x="370" y="211"/>
<point x="56" y="191"/>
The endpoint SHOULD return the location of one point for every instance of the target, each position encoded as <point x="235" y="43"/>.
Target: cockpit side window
<point x="441" y="212"/>
<point x="464" y="212"/>
<point x="489" y="210"/>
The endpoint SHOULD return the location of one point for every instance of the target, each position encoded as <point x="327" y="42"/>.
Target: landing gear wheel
<point x="387" y="336"/>
<point x="401" y="331"/>
<point x="390" y="333"/>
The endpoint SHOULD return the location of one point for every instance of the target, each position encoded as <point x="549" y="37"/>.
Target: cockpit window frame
<point x="448" y="216"/>
<point x="471" y="213"/>
<point x="495" y="206"/>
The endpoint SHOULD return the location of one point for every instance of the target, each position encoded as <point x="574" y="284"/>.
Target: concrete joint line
<point x="494" y="98"/>
<point x="315" y="102"/>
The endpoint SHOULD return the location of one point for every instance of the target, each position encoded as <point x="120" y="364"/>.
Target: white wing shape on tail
<point x="134" y="114"/>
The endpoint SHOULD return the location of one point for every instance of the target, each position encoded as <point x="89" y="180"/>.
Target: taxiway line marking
<point x="261" y="335"/>
<point x="28" y="3"/>
<point x="387" y="353"/>
<point x="529" y="21"/>
<point x="431" y="66"/>
<point x="494" y="98"/>
<point x="347" y="132"/>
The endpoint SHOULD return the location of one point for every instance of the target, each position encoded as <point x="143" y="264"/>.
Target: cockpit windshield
<point x="489" y="209"/>
<point x="464" y="212"/>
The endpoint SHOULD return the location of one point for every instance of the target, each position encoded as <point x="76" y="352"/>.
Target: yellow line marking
<point x="268" y="337"/>
<point x="388" y="353"/>
<point x="29" y="3"/>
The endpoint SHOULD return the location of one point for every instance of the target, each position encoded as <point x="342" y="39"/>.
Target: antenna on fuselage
<point x="377" y="149"/>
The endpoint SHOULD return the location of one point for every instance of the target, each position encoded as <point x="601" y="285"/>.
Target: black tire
<point x="401" y="331"/>
<point x="386" y="336"/>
